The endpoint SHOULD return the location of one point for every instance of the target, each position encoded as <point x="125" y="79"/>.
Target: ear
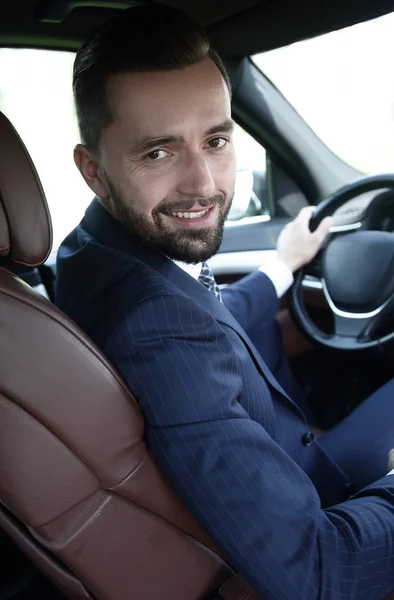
<point x="88" y="165"/>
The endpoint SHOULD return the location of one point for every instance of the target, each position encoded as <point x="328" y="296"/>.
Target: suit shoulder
<point x="104" y="270"/>
<point x="169" y="311"/>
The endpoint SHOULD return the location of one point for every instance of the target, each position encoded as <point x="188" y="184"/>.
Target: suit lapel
<point x="207" y="300"/>
<point x="107" y="230"/>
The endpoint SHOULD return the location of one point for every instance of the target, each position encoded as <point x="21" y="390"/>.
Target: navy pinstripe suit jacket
<point x="222" y="429"/>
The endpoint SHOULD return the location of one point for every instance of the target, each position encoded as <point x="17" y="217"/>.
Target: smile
<point x="190" y="215"/>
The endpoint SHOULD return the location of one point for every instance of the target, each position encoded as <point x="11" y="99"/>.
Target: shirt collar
<point x="192" y="270"/>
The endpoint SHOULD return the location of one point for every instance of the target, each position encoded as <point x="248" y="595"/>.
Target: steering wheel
<point x="357" y="277"/>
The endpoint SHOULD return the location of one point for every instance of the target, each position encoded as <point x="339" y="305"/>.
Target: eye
<point x="157" y="155"/>
<point x="218" y="142"/>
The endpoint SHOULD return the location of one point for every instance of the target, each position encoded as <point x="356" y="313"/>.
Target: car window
<point x="342" y="85"/>
<point x="36" y="95"/>
<point x="250" y="190"/>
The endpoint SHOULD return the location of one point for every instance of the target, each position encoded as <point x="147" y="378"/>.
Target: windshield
<point x="342" y="84"/>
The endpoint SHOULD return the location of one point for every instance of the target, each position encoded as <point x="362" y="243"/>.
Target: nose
<point x="196" y="179"/>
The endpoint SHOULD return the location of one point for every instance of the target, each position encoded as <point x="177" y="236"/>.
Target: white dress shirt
<point x="279" y="273"/>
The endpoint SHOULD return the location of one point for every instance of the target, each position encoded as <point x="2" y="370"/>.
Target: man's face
<point x="168" y="161"/>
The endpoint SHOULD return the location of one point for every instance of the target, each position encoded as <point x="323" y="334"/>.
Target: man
<point x="153" y="104"/>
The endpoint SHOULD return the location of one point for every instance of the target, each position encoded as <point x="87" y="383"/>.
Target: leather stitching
<point x="246" y="595"/>
<point x="112" y="488"/>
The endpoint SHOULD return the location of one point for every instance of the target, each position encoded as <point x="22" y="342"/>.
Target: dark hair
<point x="142" y="38"/>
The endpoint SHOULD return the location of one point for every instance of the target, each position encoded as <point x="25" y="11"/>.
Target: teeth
<point x="189" y="215"/>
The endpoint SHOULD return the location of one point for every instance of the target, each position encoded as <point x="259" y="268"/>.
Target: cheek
<point x="145" y="190"/>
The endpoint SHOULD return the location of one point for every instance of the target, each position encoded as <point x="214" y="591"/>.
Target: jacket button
<point x="308" y="438"/>
<point x="350" y="491"/>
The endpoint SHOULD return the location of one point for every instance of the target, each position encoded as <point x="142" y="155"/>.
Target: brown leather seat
<point x="79" y="493"/>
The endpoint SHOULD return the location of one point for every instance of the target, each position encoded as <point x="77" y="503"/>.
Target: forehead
<point x="158" y="103"/>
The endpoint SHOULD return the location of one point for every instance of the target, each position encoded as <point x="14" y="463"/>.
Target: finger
<point x="322" y="231"/>
<point x="304" y="217"/>
<point x="306" y="213"/>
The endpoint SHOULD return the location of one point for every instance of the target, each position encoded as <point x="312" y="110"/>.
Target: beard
<point x="187" y="245"/>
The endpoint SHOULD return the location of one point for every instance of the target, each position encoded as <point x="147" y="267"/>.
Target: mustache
<point x="185" y="204"/>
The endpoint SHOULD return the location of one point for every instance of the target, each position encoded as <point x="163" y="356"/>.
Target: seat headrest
<point x="25" y="222"/>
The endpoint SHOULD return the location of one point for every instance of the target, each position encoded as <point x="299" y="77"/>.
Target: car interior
<point x="84" y="510"/>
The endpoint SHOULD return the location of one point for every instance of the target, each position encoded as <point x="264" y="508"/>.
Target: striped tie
<point x="206" y="277"/>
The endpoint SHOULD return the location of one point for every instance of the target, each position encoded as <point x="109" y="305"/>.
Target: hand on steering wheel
<point x="297" y="245"/>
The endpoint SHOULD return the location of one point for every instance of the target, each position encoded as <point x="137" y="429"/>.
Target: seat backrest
<point x="79" y="492"/>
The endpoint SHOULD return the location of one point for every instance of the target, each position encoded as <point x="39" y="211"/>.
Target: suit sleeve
<point x="259" y="507"/>
<point x="252" y="300"/>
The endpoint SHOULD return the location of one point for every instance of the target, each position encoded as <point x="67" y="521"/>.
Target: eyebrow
<point x="226" y="127"/>
<point x="148" y="143"/>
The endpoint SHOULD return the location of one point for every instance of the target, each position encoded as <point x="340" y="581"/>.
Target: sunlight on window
<point x="36" y="95"/>
<point x="251" y="157"/>
<point x="250" y="154"/>
<point x="342" y="84"/>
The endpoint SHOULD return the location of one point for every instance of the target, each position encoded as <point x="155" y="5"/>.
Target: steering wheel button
<point x="308" y="438"/>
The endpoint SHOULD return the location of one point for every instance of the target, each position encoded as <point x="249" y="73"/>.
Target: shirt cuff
<point x="279" y="273"/>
